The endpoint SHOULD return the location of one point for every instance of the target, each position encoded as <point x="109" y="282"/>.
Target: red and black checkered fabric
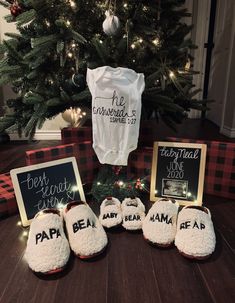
<point x="148" y="134"/>
<point x="87" y="161"/>
<point x="50" y="153"/>
<point x="76" y="135"/>
<point x="139" y="162"/>
<point x="8" y="204"/>
<point x="220" y="167"/>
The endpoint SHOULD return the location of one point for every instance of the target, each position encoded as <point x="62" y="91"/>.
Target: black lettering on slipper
<point x="81" y="224"/>
<point x="161" y="218"/>
<point x="53" y="233"/>
<point x="132" y="218"/>
<point x="109" y="216"/>
<point x="187" y="225"/>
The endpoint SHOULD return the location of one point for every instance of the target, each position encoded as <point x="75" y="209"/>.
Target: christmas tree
<point x="46" y="61"/>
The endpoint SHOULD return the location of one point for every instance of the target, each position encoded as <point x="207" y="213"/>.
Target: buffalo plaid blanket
<point x="76" y="135"/>
<point x="220" y="167"/>
<point x="8" y="205"/>
<point x="87" y="161"/>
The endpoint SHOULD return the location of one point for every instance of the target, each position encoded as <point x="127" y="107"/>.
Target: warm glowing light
<point x="68" y="22"/>
<point x="73" y="45"/>
<point x="140" y="40"/>
<point x="60" y="205"/>
<point x="133" y="60"/>
<point x="98" y="183"/>
<point x="120" y="183"/>
<point x="70" y="55"/>
<point x="187" y="65"/>
<point x="155" y="191"/>
<point x="74" y="188"/>
<point x="125" y="5"/>
<point x="145" y="8"/>
<point x="189" y="194"/>
<point x="101" y="41"/>
<point x="84" y="113"/>
<point x="72" y="3"/>
<point x="19" y="223"/>
<point x="48" y="23"/>
<point x="133" y="46"/>
<point x="156" y="41"/>
<point x="25" y="233"/>
<point x="171" y="74"/>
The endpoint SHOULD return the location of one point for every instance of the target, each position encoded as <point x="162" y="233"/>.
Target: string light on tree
<point x="125" y="5"/>
<point x="187" y="65"/>
<point x="72" y="3"/>
<point x="48" y="24"/>
<point x="73" y="45"/>
<point x="133" y="46"/>
<point x="156" y="41"/>
<point x="70" y="55"/>
<point x="74" y="116"/>
<point x="171" y="74"/>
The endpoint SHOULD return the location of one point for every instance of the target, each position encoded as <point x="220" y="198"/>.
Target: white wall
<point x="4" y="28"/>
<point x="200" y="10"/>
<point x="51" y="128"/>
<point x="221" y="86"/>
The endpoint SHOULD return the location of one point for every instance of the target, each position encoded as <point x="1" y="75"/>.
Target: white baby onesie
<point x="116" y="110"/>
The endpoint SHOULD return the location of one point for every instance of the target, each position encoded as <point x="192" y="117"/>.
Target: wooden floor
<point x="131" y="270"/>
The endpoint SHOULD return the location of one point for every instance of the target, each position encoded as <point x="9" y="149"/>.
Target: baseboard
<point x="39" y="135"/>
<point x="228" y="131"/>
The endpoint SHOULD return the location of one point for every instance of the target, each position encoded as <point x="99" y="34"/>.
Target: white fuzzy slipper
<point x="47" y="249"/>
<point x="87" y="237"/>
<point x="159" y="226"/>
<point x="110" y="212"/>
<point x="133" y="213"/>
<point x="195" y="237"/>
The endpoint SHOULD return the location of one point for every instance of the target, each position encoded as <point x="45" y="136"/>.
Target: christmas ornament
<point x="111" y="24"/>
<point x="117" y="169"/>
<point x="74" y="116"/>
<point x="76" y="83"/>
<point x="138" y="184"/>
<point x="15" y="9"/>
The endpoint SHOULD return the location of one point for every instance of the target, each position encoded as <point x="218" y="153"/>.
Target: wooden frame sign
<point x="178" y="171"/>
<point x="48" y="185"/>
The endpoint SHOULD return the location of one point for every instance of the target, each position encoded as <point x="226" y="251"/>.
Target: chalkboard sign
<point x="178" y="172"/>
<point x="48" y="185"/>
